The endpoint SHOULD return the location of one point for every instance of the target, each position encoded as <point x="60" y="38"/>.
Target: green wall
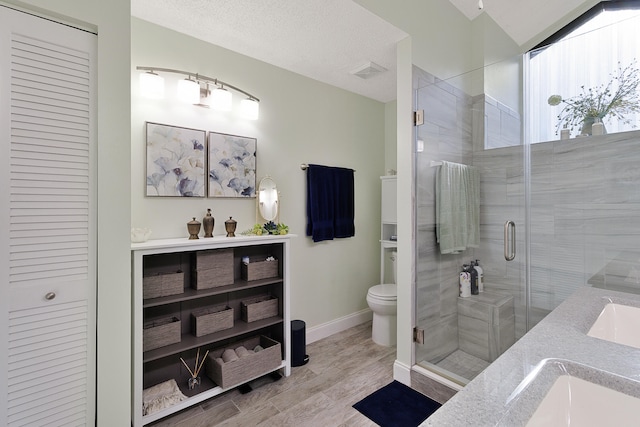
<point x="301" y="121"/>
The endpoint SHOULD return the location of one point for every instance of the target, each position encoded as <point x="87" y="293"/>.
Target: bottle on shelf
<point x="465" y="282"/>
<point x="480" y="276"/>
<point x="473" y="273"/>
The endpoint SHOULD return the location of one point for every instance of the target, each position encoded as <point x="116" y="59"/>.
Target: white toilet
<point x="382" y="300"/>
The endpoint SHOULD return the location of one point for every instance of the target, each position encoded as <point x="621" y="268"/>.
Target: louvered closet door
<point x="48" y="235"/>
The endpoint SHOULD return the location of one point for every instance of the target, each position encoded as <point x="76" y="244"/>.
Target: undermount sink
<point x="565" y="393"/>
<point x="618" y="323"/>
<point x="574" y="401"/>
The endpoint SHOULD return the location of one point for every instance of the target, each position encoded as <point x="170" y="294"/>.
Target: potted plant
<point x="268" y="228"/>
<point x="616" y="99"/>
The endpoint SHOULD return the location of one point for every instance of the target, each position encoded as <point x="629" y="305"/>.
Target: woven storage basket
<point x="212" y="268"/>
<point x="211" y="319"/>
<point x="260" y="307"/>
<point x="162" y="285"/>
<point x="159" y="333"/>
<point x="256" y="270"/>
<point x="251" y="366"/>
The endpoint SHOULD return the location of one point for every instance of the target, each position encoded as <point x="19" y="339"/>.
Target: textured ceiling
<point x="320" y="39"/>
<point x="327" y="39"/>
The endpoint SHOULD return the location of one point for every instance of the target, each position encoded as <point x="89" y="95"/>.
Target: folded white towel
<point x="229" y="355"/>
<point x="161" y="396"/>
<point x="242" y="351"/>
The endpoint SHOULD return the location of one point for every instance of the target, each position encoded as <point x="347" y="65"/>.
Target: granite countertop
<point x="494" y="398"/>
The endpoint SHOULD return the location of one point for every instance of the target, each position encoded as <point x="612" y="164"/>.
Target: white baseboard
<point x="338" y="325"/>
<point x="438" y="378"/>
<point x="402" y="373"/>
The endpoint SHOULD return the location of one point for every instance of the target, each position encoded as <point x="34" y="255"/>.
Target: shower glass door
<point x="463" y="335"/>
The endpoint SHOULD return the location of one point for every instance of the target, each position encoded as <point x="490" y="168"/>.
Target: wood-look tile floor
<point x="343" y="369"/>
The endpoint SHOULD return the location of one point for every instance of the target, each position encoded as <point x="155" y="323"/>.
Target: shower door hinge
<point x="418" y="117"/>
<point x="418" y="335"/>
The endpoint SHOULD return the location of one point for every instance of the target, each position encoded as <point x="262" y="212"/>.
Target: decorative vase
<point x="194" y="382"/>
<point x="194" y="228"/>
<point x="230" y="226"/>
<point x="587" y="126"/>
<point x="207" y="224"/>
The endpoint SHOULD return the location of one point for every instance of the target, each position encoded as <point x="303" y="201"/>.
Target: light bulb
<point x="221" y="99"/>
<point x="480" y="5"/>
<point x="250" y="109"/>
<point x="151" y="85"/>
<point x="189" y="91"/>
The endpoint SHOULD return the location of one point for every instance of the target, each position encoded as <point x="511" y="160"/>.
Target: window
<point x="584" y="56"/>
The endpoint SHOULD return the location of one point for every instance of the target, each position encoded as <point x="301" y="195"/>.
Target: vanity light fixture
<point x="190" y="90"/>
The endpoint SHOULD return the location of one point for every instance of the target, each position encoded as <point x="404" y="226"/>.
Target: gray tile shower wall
<point x="585" y="202"/>
<point x="447" y="135"/>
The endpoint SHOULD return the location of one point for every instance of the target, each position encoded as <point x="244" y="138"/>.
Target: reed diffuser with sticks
<point x="194" y="381"/>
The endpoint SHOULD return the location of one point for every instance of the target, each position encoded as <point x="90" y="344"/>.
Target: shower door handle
<point x="509" y="240"/>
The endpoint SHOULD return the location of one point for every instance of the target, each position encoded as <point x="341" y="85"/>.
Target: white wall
<point x="406" y="217"/>
<point x="440" y="33"/>
<point x="301" y="121"/>
<point x="111" y="19"/>
<point x="498" y="60"/>
<point x="390" y="136"/>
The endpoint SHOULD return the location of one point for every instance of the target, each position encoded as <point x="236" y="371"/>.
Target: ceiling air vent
<point x="368" y="70"/>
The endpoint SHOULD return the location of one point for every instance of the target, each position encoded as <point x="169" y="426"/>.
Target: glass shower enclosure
<point x="565" y="211"/>
<point x="463" y="335"/>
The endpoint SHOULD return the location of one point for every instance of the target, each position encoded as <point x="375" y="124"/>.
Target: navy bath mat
<point x="397" y="405"/>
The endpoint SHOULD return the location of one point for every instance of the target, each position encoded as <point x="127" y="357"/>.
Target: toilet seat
<point x="384" y="292"/>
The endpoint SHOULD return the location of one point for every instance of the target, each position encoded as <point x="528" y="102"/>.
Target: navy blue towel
<point x="330" y="202"/>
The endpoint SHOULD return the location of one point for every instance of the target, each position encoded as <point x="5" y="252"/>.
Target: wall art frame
<point x="175" y="161"/>
<point x="232" y="166"/>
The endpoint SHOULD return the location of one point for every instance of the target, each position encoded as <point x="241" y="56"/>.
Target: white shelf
<point x="184" y="244"/>
<point x="389" y="219"/>
<point x="389" y="243"/>
<point x="159" y="250"/>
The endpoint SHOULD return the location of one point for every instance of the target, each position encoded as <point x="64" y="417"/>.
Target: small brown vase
<point x="230" y="226"/>
<point x="207" y="224"/>
<point x="194" y="228"/>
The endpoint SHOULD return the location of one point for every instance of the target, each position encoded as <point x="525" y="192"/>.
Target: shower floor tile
<point x="463" y="364"/>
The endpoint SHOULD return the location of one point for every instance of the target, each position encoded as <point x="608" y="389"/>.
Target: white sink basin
<point x="572" y="401"/>
<point x="560" y="392"/>
<point x="618" y="323"/>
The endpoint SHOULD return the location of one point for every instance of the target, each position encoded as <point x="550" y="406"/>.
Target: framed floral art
<point x="232" y="165"/>
<point x="175" y="161"/>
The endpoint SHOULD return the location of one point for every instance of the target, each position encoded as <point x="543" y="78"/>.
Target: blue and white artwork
<point x="175" y="161"/>
<point x="232" y="165"/>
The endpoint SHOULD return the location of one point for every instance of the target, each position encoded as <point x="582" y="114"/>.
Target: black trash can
<point x="299" y="355"/>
